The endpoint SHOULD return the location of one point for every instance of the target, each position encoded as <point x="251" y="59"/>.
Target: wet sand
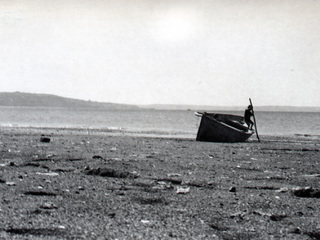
<point x="103" y="185"/>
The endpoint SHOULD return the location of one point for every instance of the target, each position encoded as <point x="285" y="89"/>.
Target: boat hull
<point x="222" y="128"/>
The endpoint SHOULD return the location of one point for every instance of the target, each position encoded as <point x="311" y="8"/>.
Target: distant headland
<point x="20" y="99"/>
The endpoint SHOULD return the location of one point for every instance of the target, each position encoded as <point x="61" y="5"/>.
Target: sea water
<point x="149" y="121"/>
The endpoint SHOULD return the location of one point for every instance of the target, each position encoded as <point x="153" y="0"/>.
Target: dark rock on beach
<point x="307" y="192"/>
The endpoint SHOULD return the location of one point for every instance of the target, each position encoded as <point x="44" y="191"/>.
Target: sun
<point x="176" y="25"/>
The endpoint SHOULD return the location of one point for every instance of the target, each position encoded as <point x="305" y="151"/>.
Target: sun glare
<point x="176" y="25"/>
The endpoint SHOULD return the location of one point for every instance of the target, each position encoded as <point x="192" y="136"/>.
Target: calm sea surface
<point x="183" y="123"/>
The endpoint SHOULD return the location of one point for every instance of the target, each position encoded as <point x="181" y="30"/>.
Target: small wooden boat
<point x="216" y="127"/>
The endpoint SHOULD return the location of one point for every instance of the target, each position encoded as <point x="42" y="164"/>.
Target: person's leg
<point x="251" y="123"/>
<point x="248" y="123"/>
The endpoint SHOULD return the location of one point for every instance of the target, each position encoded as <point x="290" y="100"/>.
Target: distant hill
<point x="19" y="99"/>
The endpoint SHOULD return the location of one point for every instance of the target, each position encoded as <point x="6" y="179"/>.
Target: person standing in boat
<point x="247" y="116"/>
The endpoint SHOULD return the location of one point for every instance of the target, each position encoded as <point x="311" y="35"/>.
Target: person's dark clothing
<point x="247" y="117"/>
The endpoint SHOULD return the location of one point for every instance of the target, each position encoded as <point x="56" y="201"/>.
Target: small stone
<point x="282" y="190"/>
<point x="48" y="205"/>
<point x="45" y="139"/>
<point x="183" y="190"/>
<point x="145" y="221"/>
<point x="299" y="213"/>
<point x="162" y="186"/>
<point x="174" y="175"/>
<point x="295" y="230"/>
<point x="232" y="189"/>
<point x="307" y="192"/>
<point x="51" y="174"/>
<point x="10" y="183"/>
<point x="274" y="217"/>
<point x="237" y="214"/>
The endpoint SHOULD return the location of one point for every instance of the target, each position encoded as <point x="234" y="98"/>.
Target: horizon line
<point x="168" y="104"/>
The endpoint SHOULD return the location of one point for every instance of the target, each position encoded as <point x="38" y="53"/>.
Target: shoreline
<point x="100" y="131"/>
<point x="135" y="133"/>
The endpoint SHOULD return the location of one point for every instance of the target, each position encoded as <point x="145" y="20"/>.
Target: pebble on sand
<point x="183" y="190"/>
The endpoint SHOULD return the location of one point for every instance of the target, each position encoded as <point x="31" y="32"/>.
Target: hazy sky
<point x="205" y="52"/>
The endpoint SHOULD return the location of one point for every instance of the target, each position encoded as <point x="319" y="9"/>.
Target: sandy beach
<point x="102" y="185"/>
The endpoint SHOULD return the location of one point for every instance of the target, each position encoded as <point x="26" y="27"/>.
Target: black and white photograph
<point x="168" y="119"/>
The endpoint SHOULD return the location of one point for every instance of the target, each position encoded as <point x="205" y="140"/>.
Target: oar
<point x="254" y="118"/>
